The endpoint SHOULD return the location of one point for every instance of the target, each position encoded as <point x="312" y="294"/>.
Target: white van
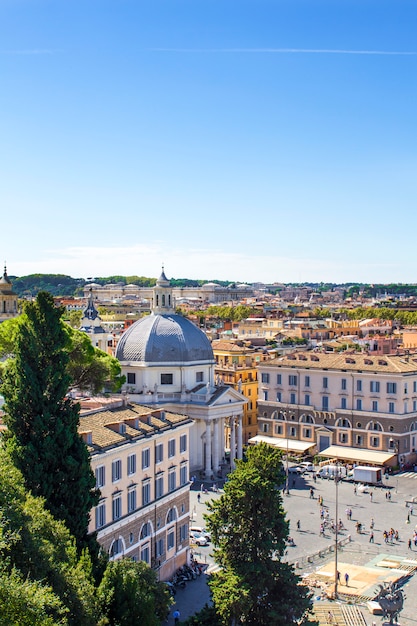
<point x="330" y="471"/>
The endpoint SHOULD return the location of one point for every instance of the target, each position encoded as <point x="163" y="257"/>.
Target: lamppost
<point x="337" y="479"/>
<point x="395" y="443"/>
<point x="287" y="488"/>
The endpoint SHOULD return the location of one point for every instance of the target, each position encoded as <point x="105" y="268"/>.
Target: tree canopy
<point x="89" y="368"/>
<point x="249" y="529"/>
<point x="42" y="579"/>
<point x="42" y="422"/>
<point x="131" y="594"/>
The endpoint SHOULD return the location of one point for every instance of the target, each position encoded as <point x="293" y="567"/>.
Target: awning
<point x="291" y="445"/>
<point x="375" y="457"/>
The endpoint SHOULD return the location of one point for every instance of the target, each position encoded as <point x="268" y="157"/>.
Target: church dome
<point x="161" y="339"/>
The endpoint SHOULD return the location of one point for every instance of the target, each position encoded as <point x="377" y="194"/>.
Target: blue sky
<point x="247" y="140"/>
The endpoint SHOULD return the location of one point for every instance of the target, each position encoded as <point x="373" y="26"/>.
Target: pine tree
<point x="42" y="436"/>
<point x="249" y="529"/>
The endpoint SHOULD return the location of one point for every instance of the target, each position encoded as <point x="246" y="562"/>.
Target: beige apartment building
<point x="140" y="457"/>
<point x="354" y="407"/>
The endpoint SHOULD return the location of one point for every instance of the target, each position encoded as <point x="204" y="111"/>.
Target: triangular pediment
<point x="323" y="430"/>
<point x="227" y="395"/>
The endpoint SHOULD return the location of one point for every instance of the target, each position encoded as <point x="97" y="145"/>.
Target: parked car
<point x="198" y="539"/>
<point x="295" y="469"/>
<point x="308" y="466"/>
<point x="200" y="531"/>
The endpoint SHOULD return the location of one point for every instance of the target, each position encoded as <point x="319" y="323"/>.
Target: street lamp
<point x="337" y="479"/>
<point x="287" y="488"/>
<point x="395" y="443"/>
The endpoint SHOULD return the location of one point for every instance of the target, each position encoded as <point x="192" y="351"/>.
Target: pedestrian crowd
<point x="391" y="535"/>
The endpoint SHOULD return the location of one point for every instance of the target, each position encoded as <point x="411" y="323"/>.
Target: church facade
<point x="168" y="362"/>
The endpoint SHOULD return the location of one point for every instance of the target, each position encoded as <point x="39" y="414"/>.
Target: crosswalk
<point x="212" y="569"/>
<point x="406" y="475"/>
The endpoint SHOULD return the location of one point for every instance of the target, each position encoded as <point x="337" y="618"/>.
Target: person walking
<point x="198" y="497"/>
<point x="347" y="579"/>
<point x="298" y="524"/>
<point x="354" y="490"/>
<point x="371" y="537"/>
<point x="176" y="616"/>
<point x="371" y="495"/>
<point x="372" y="524"/>
<point x="311" y="492"/>
<point x="410" y="544"/>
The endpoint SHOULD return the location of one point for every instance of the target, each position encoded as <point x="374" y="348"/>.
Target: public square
<point x="387" y="512"/>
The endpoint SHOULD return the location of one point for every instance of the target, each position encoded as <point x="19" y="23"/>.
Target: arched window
<point x="145" y="531"/>
<point x="343" y="423"/>
<point x="116" y="547"/>
<point x="413" y="426"/>
<point x="306" y="419"/>
<point x="163" y="299"/>
<point x="274" y="415"/>
<point x="375" y="426"/>
<point x="171" y="515"/>
<point x="281" y="416"/>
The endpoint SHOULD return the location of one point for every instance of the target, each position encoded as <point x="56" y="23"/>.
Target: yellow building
<point x="236" y="366"/>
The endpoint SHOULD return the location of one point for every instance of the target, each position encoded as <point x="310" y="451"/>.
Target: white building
<point x="169" y="362"/>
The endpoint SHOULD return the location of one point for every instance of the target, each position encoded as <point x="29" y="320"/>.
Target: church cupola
<point x="163" y="301"/>
<point x="90" y="312"/>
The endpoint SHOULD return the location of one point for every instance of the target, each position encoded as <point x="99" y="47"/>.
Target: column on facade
<point x="232" y="443"/>
<point x="208" y="450"/>
<point x="239" y="437"/>
<point x="222" y="436"/>
<point x="216" y="446"/>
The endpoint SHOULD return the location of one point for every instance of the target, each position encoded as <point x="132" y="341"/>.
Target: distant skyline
<point x="244" y="140"/>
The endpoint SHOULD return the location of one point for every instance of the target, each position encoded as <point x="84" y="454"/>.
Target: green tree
<point x="206" y="617"/>
<point x="90" y="368"/>
<point x="74" y="318"/>
<point x="42" y="579"/>
<point x="130" y="594"/>
<point x="249" y="530"/>
<point x="42" y="436"/>
<point x="28" y="603"/>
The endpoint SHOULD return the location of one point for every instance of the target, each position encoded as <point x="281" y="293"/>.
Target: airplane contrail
<point x="289" y="51"/>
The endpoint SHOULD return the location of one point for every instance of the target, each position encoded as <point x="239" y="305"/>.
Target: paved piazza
<point x="354" y="554"/>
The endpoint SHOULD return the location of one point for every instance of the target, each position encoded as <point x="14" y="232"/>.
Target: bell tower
<point x="163" y="301"/>
<point x="8" y="299"/>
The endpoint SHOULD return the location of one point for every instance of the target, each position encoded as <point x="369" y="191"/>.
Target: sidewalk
<point x="190" y="600"/>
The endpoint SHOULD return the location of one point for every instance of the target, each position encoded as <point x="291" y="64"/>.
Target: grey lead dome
<point x="164" y="339"/>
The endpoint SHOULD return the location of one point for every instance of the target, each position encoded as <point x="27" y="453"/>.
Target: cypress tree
<point x="42" y="422"/>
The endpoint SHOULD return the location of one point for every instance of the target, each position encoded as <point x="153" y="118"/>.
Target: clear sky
<point x="244" y="140"/>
